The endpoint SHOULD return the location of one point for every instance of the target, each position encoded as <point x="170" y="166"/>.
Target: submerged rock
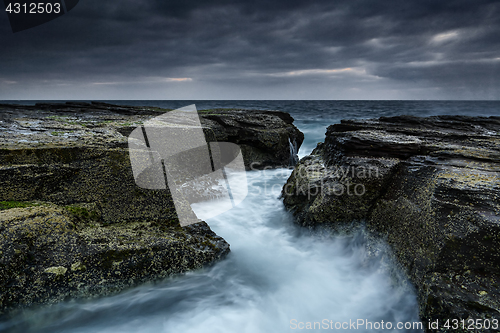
<point x="73" y="222"/>
<point x="430" y="187"/>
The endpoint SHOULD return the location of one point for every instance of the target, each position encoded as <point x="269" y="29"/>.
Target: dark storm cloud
<point x="231" y="46"/>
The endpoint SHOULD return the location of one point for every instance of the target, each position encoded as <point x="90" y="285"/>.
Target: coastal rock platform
<point x="430" y="187"/>
<point x="73" y="223"/>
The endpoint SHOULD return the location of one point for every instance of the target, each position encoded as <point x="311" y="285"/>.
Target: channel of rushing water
<point x="276" y="273"/>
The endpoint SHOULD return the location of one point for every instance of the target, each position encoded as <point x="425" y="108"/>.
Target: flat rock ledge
<point x="430" y="187"/>
<point x="73" y="223"/>
<point x="266" y="138"/>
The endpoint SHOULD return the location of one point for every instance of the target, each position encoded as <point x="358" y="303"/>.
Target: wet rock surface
<point x="430" y="187"/>
<point x="50" y="255"/>
<point x="265" y="137"/>
<point x="73" y="223"/>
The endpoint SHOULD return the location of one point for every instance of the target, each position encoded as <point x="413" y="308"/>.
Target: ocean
<point x="278" y="277"/>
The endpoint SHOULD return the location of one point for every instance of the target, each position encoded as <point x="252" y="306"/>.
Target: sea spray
<point x="294" y="159"/>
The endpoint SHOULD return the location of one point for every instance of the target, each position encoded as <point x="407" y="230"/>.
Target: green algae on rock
<point x="73" y="221"/>
<point x="264" y="136"/>
<point x="49" y="255"/>
<point x="430" y="187"/>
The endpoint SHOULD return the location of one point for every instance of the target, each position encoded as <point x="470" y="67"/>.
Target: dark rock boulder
<point x="430" y="187"/>
<point x="266" y="138"/>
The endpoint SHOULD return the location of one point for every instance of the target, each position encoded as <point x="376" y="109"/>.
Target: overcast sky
<point x="264" y="49"/>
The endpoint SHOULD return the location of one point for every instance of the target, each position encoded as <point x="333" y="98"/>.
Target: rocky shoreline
<point x="73" y="223"/>
<point x="430" y="187"/>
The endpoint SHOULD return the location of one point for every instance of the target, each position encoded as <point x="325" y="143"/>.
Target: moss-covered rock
<point x="267" y="138"/>
<point x="73" y="222"/>
<point x="94" y="175"/>
<point x="433" y="193"/>
<point x="49" y="254"/>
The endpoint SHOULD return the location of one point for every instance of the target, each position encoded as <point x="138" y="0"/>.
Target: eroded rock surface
<point x="431" y="187"/>
<point x="82" y="227"/>
<point x="265" y="137"/>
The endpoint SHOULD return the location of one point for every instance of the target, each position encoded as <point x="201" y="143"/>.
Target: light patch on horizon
<point x="487" y="60"/>
<point x="430" y="63"/>
<point x="149" y="80"/>
<point x="379" y="43"/>
<point x="445" y="37"/>
<point x="427" y="63"/>
<point x="318" y="72"/>
<point x="177" y="79"/>
<point x="108" y="83"/>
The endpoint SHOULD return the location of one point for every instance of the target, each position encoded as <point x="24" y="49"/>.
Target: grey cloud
<point x="252" y="45"/>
